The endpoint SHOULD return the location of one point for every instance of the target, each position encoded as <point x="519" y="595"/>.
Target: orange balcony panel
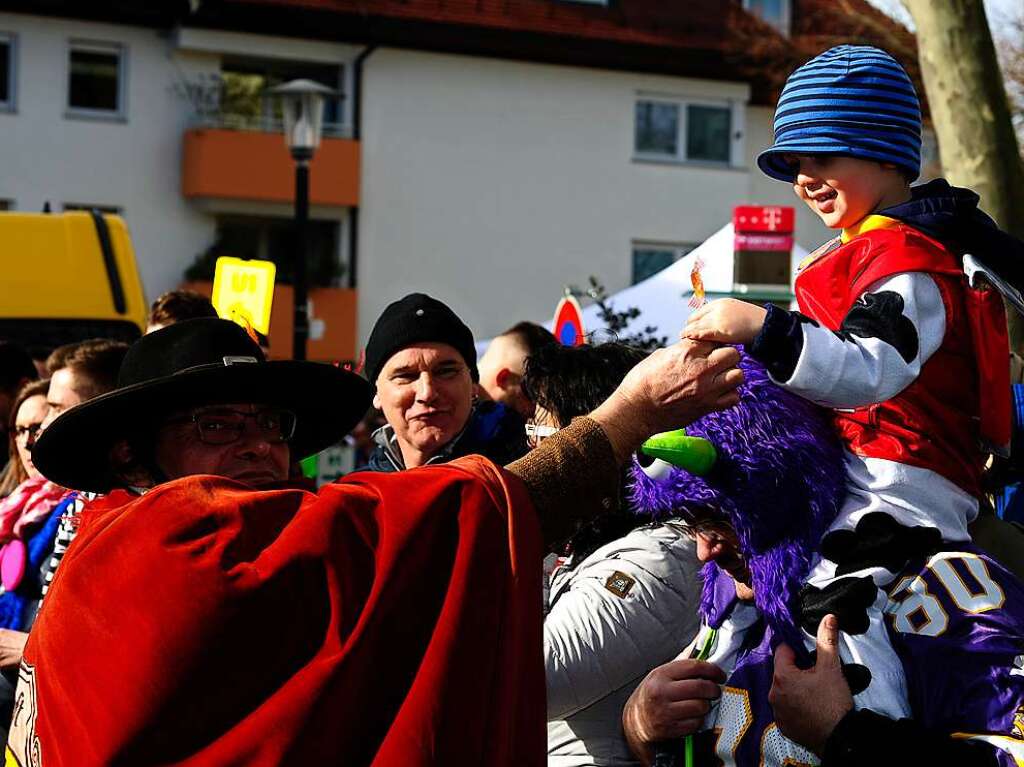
<point x="254" y="165"/>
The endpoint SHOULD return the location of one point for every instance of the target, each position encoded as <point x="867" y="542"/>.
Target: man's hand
<point x="725" y="320"/>
<point x="809" y="704"/>
<point x="670" y="389"/>
<point x="12" y="645"/>
<point x="669" y="703"/>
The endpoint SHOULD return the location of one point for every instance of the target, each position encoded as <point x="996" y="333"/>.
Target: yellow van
<point x="66" y="277"/>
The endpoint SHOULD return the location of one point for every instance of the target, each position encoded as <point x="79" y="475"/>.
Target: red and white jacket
<point x="959" y="398"/>
<point x="913" y="361"/>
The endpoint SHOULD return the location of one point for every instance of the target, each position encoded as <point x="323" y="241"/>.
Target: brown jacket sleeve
<point x="572" y="476"/>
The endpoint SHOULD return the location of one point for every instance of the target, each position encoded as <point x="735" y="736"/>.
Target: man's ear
<point x="376" y="401"/>
<point x="127" y="468"/>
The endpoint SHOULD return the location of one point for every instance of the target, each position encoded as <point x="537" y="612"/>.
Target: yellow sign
<point x="243" y="291"/>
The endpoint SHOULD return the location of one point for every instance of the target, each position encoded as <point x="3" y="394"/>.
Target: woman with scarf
<point x="624" y="593"/>
<point x="30" y="512"/>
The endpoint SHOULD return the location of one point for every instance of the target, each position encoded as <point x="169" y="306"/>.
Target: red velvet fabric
<point x="390" y="619"/>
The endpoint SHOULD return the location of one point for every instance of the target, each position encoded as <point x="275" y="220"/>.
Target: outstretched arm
<point x="877" y="352"/>
<point x="574" y="474"/>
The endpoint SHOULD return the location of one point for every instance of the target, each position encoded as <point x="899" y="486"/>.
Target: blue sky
<point x="999" y="11"/>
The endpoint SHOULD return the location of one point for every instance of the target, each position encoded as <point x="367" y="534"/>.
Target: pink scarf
<point x="30" y="502"/>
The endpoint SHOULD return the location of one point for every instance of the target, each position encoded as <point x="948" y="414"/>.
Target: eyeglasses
<point x="711" y="530"/>
<point x="537" y="433"/>
<point x="27" y="433"/>
<point x="224" y="426"/>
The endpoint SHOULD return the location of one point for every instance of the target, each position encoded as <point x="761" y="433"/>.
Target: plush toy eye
<point x="655" y="468"/>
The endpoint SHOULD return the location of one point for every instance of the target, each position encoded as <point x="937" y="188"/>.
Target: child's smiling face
<point x="843" y="190"/>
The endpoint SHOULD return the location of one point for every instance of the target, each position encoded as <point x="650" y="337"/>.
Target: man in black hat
<point x="199" y="620"/>
<point x="421" y="360"/>
<point x="199" y="397"/>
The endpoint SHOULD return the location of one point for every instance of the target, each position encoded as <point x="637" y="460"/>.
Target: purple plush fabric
<point x="779" y="479"/>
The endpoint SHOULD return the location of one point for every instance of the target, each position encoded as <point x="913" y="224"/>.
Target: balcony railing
<point x="263" y="124"/>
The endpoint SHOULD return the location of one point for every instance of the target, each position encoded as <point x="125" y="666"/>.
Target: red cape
<point x="391" y="619"/>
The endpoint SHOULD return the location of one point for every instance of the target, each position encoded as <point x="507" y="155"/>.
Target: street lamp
<point x="302" y="104"/>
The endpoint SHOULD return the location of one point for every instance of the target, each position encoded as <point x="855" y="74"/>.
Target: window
<point x="774" y="12"/>
<point x="7" y="52"/>
<point x="657" y="128"/>
<point x="96" y="79"/>
<point x="243" y="82"/>
<point x="273" y="239"/>
<point x="763" y="268"/>
<point x="683" y="131"/>
<point x="707" y="133"/>
<point x="651" y="258"/>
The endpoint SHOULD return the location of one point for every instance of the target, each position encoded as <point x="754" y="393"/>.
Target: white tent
<point x="663" y="298"/>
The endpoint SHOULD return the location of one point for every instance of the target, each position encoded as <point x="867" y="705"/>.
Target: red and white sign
<point x="568" y="324"/>
<point x="762" y="228"/>
<point x="775" y="219"/>
<point x="743" y="241"/>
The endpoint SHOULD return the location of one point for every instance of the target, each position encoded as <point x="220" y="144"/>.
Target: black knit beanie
<point x="417" y="318"/>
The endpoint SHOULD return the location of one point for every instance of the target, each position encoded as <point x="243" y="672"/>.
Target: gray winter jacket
<point x="628" y="607"/>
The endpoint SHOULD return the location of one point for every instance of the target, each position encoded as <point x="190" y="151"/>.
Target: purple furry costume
<point x="779" y="479"/>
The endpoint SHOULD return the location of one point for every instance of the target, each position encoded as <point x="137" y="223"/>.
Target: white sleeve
<point x="597" y="639"/>
<point x="879" y="349"/>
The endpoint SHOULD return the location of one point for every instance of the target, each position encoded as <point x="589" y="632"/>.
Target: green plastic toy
<point x="694" y="454"/>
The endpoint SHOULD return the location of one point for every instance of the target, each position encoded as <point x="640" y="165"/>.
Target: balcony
<point x="222" y="163"/>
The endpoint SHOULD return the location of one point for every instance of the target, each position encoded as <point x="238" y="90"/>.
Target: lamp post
<point x="302" y="104"/>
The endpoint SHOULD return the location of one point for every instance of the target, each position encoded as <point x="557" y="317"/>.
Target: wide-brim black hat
<point x="190" y="363"/>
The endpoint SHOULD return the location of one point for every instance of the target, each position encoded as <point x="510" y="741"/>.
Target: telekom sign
<point x="767" y="227"/>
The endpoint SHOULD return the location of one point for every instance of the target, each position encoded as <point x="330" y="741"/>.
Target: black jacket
<point x="493" y="431"/>
<point x="951" y="215"/>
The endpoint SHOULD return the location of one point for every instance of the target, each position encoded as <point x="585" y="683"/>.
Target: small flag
<point x="697" y="299"/>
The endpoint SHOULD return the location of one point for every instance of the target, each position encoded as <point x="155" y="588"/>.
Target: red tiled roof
<point x="714" y="39"/>
<point x="694" y="38"/>
<point x="693" y="23"/>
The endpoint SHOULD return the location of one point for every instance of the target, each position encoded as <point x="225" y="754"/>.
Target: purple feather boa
<point x="779" y="479"/>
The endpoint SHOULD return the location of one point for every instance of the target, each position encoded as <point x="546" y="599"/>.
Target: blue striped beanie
<point x="851" y="100"/>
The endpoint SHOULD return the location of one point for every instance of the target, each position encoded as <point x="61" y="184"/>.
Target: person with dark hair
<point x="30" y="510"/>
<point x="177" y="305"/>
<point x="16" y="370"/>
<point x="81" y="371"/>
<point x="386" y="619"/>
<point x="503" y="364"/>
<point x="78" y="372"/>
<point x="22" y="429"/>
<point x="623" y="596"/>
<point x="422" y="362"/>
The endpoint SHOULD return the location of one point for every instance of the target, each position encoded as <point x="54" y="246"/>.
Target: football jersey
<point x="955" y="622"/>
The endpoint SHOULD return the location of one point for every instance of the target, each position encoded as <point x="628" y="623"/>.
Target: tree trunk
<point x="971" y="113"/>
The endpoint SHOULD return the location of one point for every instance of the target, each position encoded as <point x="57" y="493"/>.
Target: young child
<point x="889" y="335"/>
<point x="912" y="361"/>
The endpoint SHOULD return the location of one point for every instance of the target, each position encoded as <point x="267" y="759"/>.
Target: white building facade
<point x="488" y="182"/>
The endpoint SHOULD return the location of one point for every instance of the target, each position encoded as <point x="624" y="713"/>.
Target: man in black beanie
<point x="421" y="360"/>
